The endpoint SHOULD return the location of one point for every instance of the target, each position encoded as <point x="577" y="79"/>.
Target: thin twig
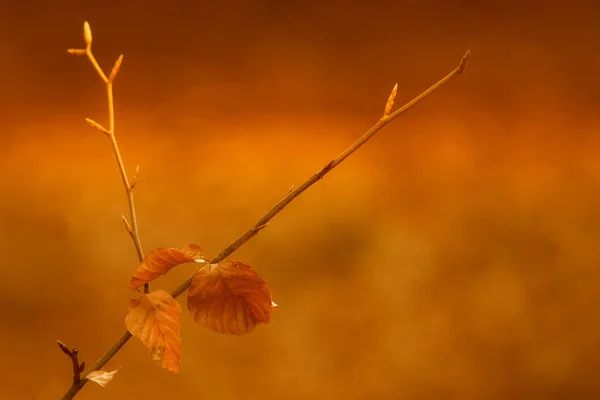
<point x="73" y="354"/>
<point x="292" y="194"/>
<point x="110" y="132"/>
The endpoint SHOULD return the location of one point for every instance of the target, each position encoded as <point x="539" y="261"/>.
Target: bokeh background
<point x="455" y="256"/>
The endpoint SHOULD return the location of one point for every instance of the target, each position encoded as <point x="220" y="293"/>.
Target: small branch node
<point x="127" y="226"/>
<point x="135" y="178"/>
<point x="328" y="167"/>
<point x="259" y="228"/>
<point x="290" y="190"/>
<point x="96" y="125"/>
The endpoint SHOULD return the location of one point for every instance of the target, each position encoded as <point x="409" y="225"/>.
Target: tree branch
<point x="110" y="132"/>
<point x="263" y="222"/>
<point x="73" y="354"/>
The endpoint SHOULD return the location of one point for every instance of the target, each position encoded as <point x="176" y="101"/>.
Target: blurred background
<point x="455" y="256"/>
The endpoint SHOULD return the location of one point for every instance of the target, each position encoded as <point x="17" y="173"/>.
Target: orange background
<point x="455" y="256"/>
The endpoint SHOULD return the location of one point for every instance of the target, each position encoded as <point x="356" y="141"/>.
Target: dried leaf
<point x="101" y="377"/>
<point x="159" y="261"/>
<point x="154" y="318"/>
<point x="229" y="297"/>
<point x="390" y="101"/>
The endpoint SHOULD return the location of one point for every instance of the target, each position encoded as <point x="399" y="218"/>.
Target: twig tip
<point x="87" y="33"/>
<point x="115" y="69"/>
<point x="96" y="125"/>
<point x="64" y="348"/>
<point x="464" y="61"/>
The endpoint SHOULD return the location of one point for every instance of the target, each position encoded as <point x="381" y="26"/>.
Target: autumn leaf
<point x="101" y="377"/>
<point x="159" y="261"/>
<point x="154" y="318"/>
<point x="229" y="297"/>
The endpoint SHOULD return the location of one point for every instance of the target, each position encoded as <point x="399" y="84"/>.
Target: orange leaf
<point x="101" y="377"/>
<point x="154" y="318"/>
<point x="229" y="297"/>
<point x="159" y="261"/>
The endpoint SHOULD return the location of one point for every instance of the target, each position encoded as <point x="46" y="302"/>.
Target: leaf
<point x="154" y="318"/>
<point x="229" y="297"/>
<point x="159" y="261"/>
<point x="101" y="377"/>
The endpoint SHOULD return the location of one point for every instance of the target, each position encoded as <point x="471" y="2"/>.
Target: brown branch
<point x="73" y="354"/>
<point x="263" y="222"/>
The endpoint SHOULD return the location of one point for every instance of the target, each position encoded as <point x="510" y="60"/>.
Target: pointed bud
<point x="390" y="102"/>
<point x="127" y="226"/>
<point x="87" y="33"/>
<point x="116" y="68"/>
<point x="135" y="177"/>
<point x="96" y="125"/>
<point x="464" y="61"/>
<point x="77" y="52"/>
<point x="64" y="348"/>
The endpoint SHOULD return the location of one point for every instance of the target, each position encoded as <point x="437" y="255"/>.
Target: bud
<point x="87" y="33"/>
<point x="77" y="52"/>
<point x="390" y="102"/>
<point x="116" y="68"/>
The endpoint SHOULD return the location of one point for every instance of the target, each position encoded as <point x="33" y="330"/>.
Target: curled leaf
<point x="101" y="377"/>
<point x="155" y="319"/>
<point x="159" y="261"/>
<point x="229" y="297"/>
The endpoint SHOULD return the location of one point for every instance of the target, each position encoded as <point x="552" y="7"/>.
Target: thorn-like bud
<point x="77" y="52"/>
<point x="135" y="177"/>
<point x="390" y="101"/>
<point x="96" y="125"/>
<point x="115" y="69"/>
<point x="82" y="367"/>
<point x="87" y="33"/>
<point x="64" y="348"/>
<point x="127" y="226"/>
<point x="289" y="190"/>
<point x="464" y="61"/>
<point x="260" y="227"/>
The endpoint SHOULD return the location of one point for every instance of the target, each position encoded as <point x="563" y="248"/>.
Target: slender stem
<point x="113" y="140"/>
<point x="281" y="205"/>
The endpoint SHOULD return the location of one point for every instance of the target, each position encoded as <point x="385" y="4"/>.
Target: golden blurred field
<point x="453" y="257"/>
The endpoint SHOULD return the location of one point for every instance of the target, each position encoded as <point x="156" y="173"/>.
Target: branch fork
<point x="293" y="192"/>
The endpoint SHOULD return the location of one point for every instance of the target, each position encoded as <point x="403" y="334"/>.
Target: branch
<point x="263" y="222"/>
<point x="73" y="354"/>
<point x="110" y="132"/>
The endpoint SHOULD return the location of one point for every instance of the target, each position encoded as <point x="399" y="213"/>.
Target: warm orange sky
<point x="453" y="257"/>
